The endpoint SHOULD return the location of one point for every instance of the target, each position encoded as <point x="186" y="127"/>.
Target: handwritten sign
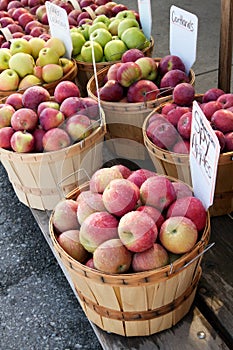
<point x="144" y="9"/>
<point x="183" y="35"/>
<point x="59" y="25"/>
<point x="204" y="155"/>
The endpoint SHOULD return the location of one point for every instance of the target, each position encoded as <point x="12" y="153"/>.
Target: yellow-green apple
<point x="223" y="120"/>
<point x="124" y="170"/>
<point x="78" y="41"/>
<point x="137" y="231"/>
<point x="142" y="90"/>
<point x="229" y="141"/>
<point x="114" y="50"/>
<point x="183" y="94"/>
<point x="111" y="91"/>
<point x="182" y="189"/>
<point x="64" y="216"/>
<point x="210" y="107"/>
<point x="120" y="196"/>
<point x="154" y="213"/>
<point x="29" y="80"/>
<point x="125" y="14"/>
<point x="128" y="73"/>
<point x="24" y="119"/>
<point x="20" y="45"/>
<point x="9" y="80"/>
<point x="6" y="112"/>
<point x="112" y="257"/>
<point x="36" y="45"/>
<point x="125" y="24"/>
<point x="71" y="106"/>
<point x="97" y="228"/>
<point x="190" y="207"/>
<point x="50" y="118"/>
<point x="33" y="96"/>
<point x="5" y="136"/>
<point x="170" y="62"/>
<point x="22" y="63"/>
<point x="57" y="44"/>
<point x="38" y="134"/>
<point x="5" y="56"/>
<point x="221" y="138"/>
<point x="95" y="26"/>
<point x="113" y="26"/>
<point x="102" y="18"/>
<point x="112" y="71"/>
<point x="181" y="146"/>
<point x="69" y="241"/>
<point x="22" y="141"/>
<point x="148" y="67"/>
<point x="47" y="104"/>
<point x="140" y="175"/>
<point x="66" y="65"/>
<point x="173" y="78"/>
<point x="15" y="100"/>
<point x="178" y="234"/>
<point x="83" y="29"/>
<point x="184" y="125"/>
<point x="150" y="259"/>
<point x="162" y="134"/>
<point x="52" y="72"/>
<point x="55" y="139"/>
<point x="102" y="36"/>
<point x="135" y="38"/>
<point x="212" y="94"/>
<point x="47" y="55"/>
<point x="78" y="127"/>
<point x="102" y="177"/>
<point x="65" y="89"/>
<point x="162" y="186"/>
<point x="86" y="51"/>
<point x="132" y="55"/>
<point x="88" y="203"/>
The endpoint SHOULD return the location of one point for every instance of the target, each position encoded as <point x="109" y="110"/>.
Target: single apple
<point x="173" y="78"/>
<point x="29" y="80"/>
<point x="140" y="175"/>
<point x="226" y="100"/>
<point x="55" y="139"/>
<point x="132" y="55"/>
<point x="86" y="51"/>
<point x="20" y="45"/>
<point x="102" y="177"/>
<point x="57" y="44"/>
<point x="210" y="107"/>
<point x="52" y="72"/>
<point x="134" y="38"/>
<point x="47" y="55"/>
<point x="102" y="18"/>
<point x="22" y="63"/>
<point x="148" y="67"/>
<point x="51" y="118"/>
<point x="181" y="146"/>
<point x="125" y="14"/>
<point x="24" y="119"/>
<point x="125" y="24"/>
<point x="229" y="141"/>
<point x="114" y="50"/>
<point x="88" y="203"/>
<point x="33" y="96"/>
<point x="47" y="104"/>
<point x="78" y="40"/>
<point x="113" y="26"/>
<point x="142" y="90"/>
<point x="111" y="91"/>
<point x="174" y="114"/>
<point x="15" y="100"/>
<point x="9" y="80"/>
<point x="5" y="137"/>
<point x="184" y="125"/>
<point x="71" y="106"/>
<point x="38" y="135"/>
<point x="5" y="56"/>
<point x="212" y="94"/>
<point x="6" y="112"/>
<point x="170" y="62"/>
<point x="69" y="241"/>
<point x="22" y="141"/>
<point x="124" y="170"/>
<point x="101" y="36"/>
<point x="36" y="45"/>
<point x="183" y="94"/>
<point x="66" y="65"/>
<point x="65" y="89"/>
<point x="164" y="135"/>
<point x="150" y="259"/>
<point x="222" y="120"/>
<point x="112" y="71"/>
<point x="221" y="138"/>
<point x="64" y="216"/>
<point x="78" y="127"/>
<point x="128" y="73"/>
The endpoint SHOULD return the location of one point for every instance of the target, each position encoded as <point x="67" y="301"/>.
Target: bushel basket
<point x="135" y="304"/>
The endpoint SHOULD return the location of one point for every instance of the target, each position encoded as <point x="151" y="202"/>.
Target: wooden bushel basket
<point x="177" y="165"/>
<point x="136" y="304"/>
<point x="124" y="120"/>
<point x="35" y="177"/>
<point x="86" y="69"/>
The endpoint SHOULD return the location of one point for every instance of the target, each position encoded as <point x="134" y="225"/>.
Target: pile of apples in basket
<point x="125" y="221"/>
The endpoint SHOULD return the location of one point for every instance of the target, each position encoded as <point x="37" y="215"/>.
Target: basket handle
<point x="192" y="260"/>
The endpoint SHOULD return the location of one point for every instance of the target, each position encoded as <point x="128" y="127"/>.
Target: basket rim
<point x="168" y="270"/>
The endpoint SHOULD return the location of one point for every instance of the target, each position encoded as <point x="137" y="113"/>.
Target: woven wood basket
<point x="135" y="304"/>
<point x="86" y="70"/>
<point x="70" y="75"/>
<point x="124" y="120"/>
<point x="177" y="165"/>
<point x="40" y="180"/>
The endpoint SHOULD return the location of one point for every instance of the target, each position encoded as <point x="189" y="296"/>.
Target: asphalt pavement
<point x="38" y="310"/>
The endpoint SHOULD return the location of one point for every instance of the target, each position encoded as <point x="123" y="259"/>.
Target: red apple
<point x="71" y="106"/>
<point x="181" y="146"/>
<point x="102" y="177"/>
<point x="128" y="73"/>
<point x="174" y="114"/>
<point x="170" y="62"/>
<point x="38" y="139"/>
<point x="222" y="120"/>
<point x="25" y="18"/>
<point x="221" y="139"/>
<point x="142" y="91"/>
<point x="47" y="104"/>
<point x="69" y="241"/>
<point x="210" y="107"/>
<point x="173" y="78"/>
<point x="118" y="8"/>
<point x="140" y="175"/>
<point x="212" y="94"/>
<point x="88" y="203"/>
<point x="15" y="100"/>
<point x="65" y="89"/>
<point x="33" y="96"/>
<point x="226" y="100"/>
<point x="90" y="263"/>
<point x="22" y="142"/>
<point x="55" y="139"/>
<point x="154" y="213"/>
<point x="112" y="71"/>
<point x="24" y="119"/>
<point x="124" y="170"/>
<point x="229" y="141"/>
<point x="163" y="135"/>
<point x="178" y="234"/>
<point x="78" y="127"/>
<point x="5" y="137"/>
<point x="50" y="118"/>
<point x="111" y="91"/>
<point x="182" y="189"/>
<point x="183" y="94"/>
<point x="64" y="217"/>
<point x="167" y="107"/>
<point x="184" y="125"/>
<point x="131" y="55"/>
<point x="150" y="259"/>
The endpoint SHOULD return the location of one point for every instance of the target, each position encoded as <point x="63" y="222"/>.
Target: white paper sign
<point x="183" y="35"/>
<point x="59" y="25"/>
<point x="204" y="155"/>
<point x="144" y="10"/>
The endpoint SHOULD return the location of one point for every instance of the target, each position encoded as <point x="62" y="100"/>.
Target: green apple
<point x="125" y="14"/>
<point x="57" y="44"/>
<point x="29" y="80"/>
<point x="135" y="38"/>
<point x="78" y="41"/>
<point x="86" y="51"/>
<point x="113" y="26"/>
<point x="22" y="63"/>
<point x="102" y="18"/>
<point x="66" y="64"/>
<point x="148" y="67"/>
<point x="36" y="45"/>
<point x="125" y="24"/>
<point x="47" y="55"/>
<point x="9" y="80"/>
<point x="5" y="56"/>
<point x="114" y="50"/>
<point x="95" y="26"/>
<point x="6" y="112"/>
<point x="101" y="36"/>
<point x="20" y="45"/>
<point x="79" y="58"/>
<point x="83" y="29"/>
<point x="52" y="72"/>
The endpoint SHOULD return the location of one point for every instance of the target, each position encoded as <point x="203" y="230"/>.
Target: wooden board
<point x="193" y="332"/>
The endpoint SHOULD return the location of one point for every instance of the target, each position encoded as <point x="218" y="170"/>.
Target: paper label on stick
<point x="204" y="156"/>
<point x="144" y="10"/>
<point x="183" y="35"/>
<point x="59" y="26"/>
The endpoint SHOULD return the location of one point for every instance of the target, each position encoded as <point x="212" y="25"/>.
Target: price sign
<point x="144" y="9"/>
<point x="59" y="25"/>
<point x="183" y="35"/>
<point x="204" y="155"/>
